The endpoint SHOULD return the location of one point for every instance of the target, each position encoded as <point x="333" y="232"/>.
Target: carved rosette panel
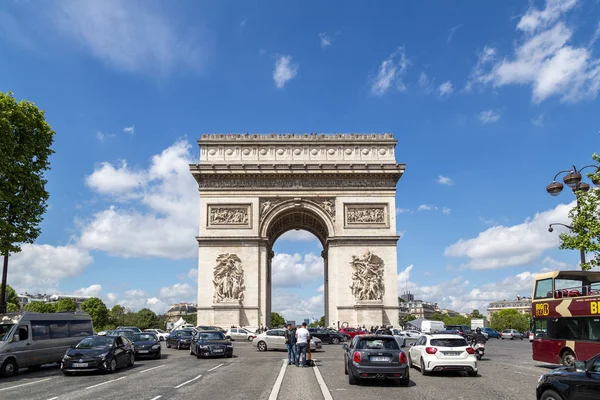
<point x="367" y="277"/>
<point x="366" y="215"/>
<point x="228" y="279"/>
<point x="229" y="215"/>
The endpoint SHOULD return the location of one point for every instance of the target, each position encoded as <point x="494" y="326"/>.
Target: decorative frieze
<point x="367" y="277"/>
<point x="268" y="203"/>
<point x="354" y="181"/>
<point x="229" y="215"/>
<point x="366" y="215"/>
<point x="228" y="280"/>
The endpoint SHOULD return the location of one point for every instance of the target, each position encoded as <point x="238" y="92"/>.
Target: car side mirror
<point x="580" y="366"/>
<point x="72" y="346"/>
<point x="345" y="346"/>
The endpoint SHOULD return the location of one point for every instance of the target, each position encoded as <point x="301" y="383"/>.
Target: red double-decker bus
<point x="566" y="316"/>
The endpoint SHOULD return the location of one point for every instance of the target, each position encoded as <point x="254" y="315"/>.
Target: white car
<point x="275" y="339"/>
<point x="162" y="335"/>
<point x="239" y="334"/>
<point x="442" y="352"/>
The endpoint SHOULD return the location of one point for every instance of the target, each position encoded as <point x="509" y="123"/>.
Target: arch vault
<point x="254" y="187"/>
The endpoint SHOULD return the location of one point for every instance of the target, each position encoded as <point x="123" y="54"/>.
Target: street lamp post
<point x="573" y="180"/>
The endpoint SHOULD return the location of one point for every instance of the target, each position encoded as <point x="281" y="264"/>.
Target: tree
<point x="277" y="320"/>
<point x="40" y="306"/>
<point x="585" y="222"/>
<point x="26" y="140"/>
<point x="146" y="318"/>
<point x="190" y="319"/>
<point x="12" y="299"/>
<point x="510" y="318"/>
<point x="97" y="310"/>
<point x="65" y="305"/>
<point x="476" y="314"/>
<point x="117" y="315"/>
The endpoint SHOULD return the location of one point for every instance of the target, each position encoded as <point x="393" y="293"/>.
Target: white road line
<point x="278" y="381"/>
<point x="104" y="383"/>
<point x="324" y="388"/>
<point x="25" y="384"/>
<point x="190" y="381"/>
<point x="156" y="398"/>
<point x="213" y="368"/>
<point x="150" y="369"/>
<point x="54" y="398"/>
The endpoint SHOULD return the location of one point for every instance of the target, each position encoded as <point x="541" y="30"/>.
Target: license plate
<point x="452" y="353"/>
<point x="142" y="351"/>
<point x="80" y="365"/>
<point x="380" y="359"/>
<point x="218" y="350"/>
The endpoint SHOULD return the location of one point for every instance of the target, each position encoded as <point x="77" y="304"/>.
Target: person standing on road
<point x="290" y="343"/>
<point x="303" y="340"/>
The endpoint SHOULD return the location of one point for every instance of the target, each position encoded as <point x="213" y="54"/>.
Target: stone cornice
<point x="217" y="138"/>
<point x="266" y="168"/>
<point x="362" y="240"/>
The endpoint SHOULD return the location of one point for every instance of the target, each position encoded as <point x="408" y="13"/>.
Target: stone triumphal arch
<point x="253" y="188"/>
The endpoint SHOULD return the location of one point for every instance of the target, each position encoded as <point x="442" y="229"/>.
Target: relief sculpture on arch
<point x="367" y="277"/>
<point x="228" y="279"/>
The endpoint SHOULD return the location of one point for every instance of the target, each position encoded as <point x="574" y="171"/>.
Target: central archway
<point x="295" y="214"/>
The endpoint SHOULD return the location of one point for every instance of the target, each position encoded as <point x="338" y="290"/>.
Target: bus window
<point x="543" y="289"/>
<point x="594" y="329"/>
<point x="23" y="332"/>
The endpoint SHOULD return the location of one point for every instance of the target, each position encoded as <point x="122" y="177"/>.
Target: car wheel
<point x="472" y="373"/>
<point x="502" y="338"/>
<point x="550" y="394"/>
<point x="345" y="367"/>
<point x="335" y="340"/>
<point x="405" y="381"/>
<point x="67" y="373"/>
<point x="131" y="360"/>
<point x="250" y="338"/>
<point x="178" y="346"/>
<point x="230" y="355"/>
<point x="352" y="380"/>
<point x="422" y="368"/>
<point x="567" y="358"/>
<point x="9" y="368"/>
<point x="168" y="345"/>
<point x="521" y="337"/>
<point x="158" y="356"/>
<point x="112" y="367"/>
<point x="409" y="360"/>
<point x="262" y="346"/>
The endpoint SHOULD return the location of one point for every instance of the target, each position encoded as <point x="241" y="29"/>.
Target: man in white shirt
<point x="302" y="340"/>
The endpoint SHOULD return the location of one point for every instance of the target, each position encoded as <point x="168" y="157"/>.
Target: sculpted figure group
<point x="228" y="278"/>
<point x="367" y="278"/>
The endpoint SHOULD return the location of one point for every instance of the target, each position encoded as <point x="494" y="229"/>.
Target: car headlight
<point x="203" y="347"/>
<point x="156" y="346"/>
<point x="103" y="355"/>
<point x="229" y="345"/>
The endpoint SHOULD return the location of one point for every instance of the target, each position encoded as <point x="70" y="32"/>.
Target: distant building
<point x="521" y="304"/>
<point x="292" y="322"/>
<point x="450" y="313"/>
<point x="179" y="310"/>
<point x="418" y="308"/>
<point x="407" y="296"/>
<point x="27" y="298"/>
<point x="307" y="321"/>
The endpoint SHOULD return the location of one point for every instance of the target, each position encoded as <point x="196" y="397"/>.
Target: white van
<point x="432" y="326"/>
<point x="32" y="339"/>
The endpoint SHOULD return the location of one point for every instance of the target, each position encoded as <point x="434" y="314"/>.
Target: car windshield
<point x="378" y="343"/>
<point x="144" y="337"/>
<point x="96" y="342"/>
<point x="185" y="333"/>
<point x="127" y="334"/>
<point x="211" y="336"/>
<point x="4" y="329"/>
<point x="449" y="342"/>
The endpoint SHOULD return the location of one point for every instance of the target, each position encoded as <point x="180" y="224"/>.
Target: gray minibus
<point x="32" y="339"/>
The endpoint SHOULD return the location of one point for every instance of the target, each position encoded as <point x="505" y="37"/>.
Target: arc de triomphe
<point x="255" y="187"/>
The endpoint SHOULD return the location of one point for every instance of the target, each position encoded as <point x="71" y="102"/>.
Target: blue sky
<point x="487" y="101"/>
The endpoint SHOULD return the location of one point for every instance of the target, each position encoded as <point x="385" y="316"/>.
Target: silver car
<point x="274" y="339"/>
<point x="511" y="334"/>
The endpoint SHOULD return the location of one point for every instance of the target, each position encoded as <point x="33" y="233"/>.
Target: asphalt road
<point x="507" y="372"/>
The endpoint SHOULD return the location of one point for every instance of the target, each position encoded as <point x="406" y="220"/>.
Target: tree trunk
<point x="3" y="293"/>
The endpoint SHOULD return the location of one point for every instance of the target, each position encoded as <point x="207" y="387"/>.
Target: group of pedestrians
<point x="297" y="342"/>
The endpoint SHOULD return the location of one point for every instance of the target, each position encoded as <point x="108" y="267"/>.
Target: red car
<point x="352" y="331"/>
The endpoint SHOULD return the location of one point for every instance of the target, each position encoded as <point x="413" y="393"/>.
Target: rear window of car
<point x="378" y="344"/>
<point x="448" y="342"/>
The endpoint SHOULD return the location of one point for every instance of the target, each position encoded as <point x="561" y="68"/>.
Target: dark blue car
<point x="491" y="333"/>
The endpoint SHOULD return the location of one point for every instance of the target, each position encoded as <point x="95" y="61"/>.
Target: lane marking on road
<point x="104" y="383"/>
<point x="156" y="398"/>
<point x="278" y="381"/>
<point x="25" y="384"/>
<point x="213" y="368"/>
<point x="190" y="381"/>
<point x="150" y="369"/>
<point x="324" y="388"/>
<point x="54" y="398"/>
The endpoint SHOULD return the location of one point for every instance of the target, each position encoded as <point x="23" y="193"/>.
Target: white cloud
<point x="501" y="246"/>
<point x="92" y="290"/>
<point x="446" y="89"/>
<point x="132" y="36"/>
<point x="293" y="270"/>
<point x="325" y="40"/>
<point x="298" y="235"/>
<point x="446" y="211"/>
<point x="538" y="121"/>
<point x="425" y="207"/>
<point x="129" y="129"/>
<point x="545" y="59"/>
<point x="425" y="83"/>
<point x="488" y="221"/>
<point x="101" y="136"/>
<point x="484" y="58"/>
<point x="390" y="73"/>
<point x="489" y="116"/>
<point x="596" y="36"/>
<point x="402" y="210"/>
<point x="284" y="71"/>
<point x="293" y="306"/>
<point x="179" y="292"/>
<point x="193" y="273"/>
<point x="40" y="267"/>
<point x="164" y="214"/>
<point x="452" y="31"/>
<point x="444" y="180"/>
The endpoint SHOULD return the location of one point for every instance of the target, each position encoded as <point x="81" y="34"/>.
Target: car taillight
<point x="470" y="350"/>
<point x="431" y="350"/>
<point x="403" y="359"/>
<point x="356" y="357"/>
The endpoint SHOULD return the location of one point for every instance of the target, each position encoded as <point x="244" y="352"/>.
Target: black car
<point x="345" y="336"/>
<point x="211" y="344"/>
<point x="375" y="357"/>
<point x="326" y="336"/>
<point x="579" y="382"/>
<point x="146" y="344"/>
<point x="181" y="339"/>
<point x="128" y="333"/>
<point x="93" y="353"/>
<point x="463" y="330"/>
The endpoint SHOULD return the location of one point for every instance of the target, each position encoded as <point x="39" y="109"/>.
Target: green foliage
<point x="585" y="218"/>
<point x="12" y="307"/>
<point x="96" y="309"/>
<point x="276" y="320"/>
<point x="117" y="316"/>
<point x="65" y="305"/>
<point x="448" y="320"/>
<point x="146" y="318"/>
<point x="12" y="297"/>
<point x="190" y="319"/>
<point x="510" y="318"/>
<point x="40" y="306"/>
<point x="320" y="322"/>
<point x="476" y="314"/>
